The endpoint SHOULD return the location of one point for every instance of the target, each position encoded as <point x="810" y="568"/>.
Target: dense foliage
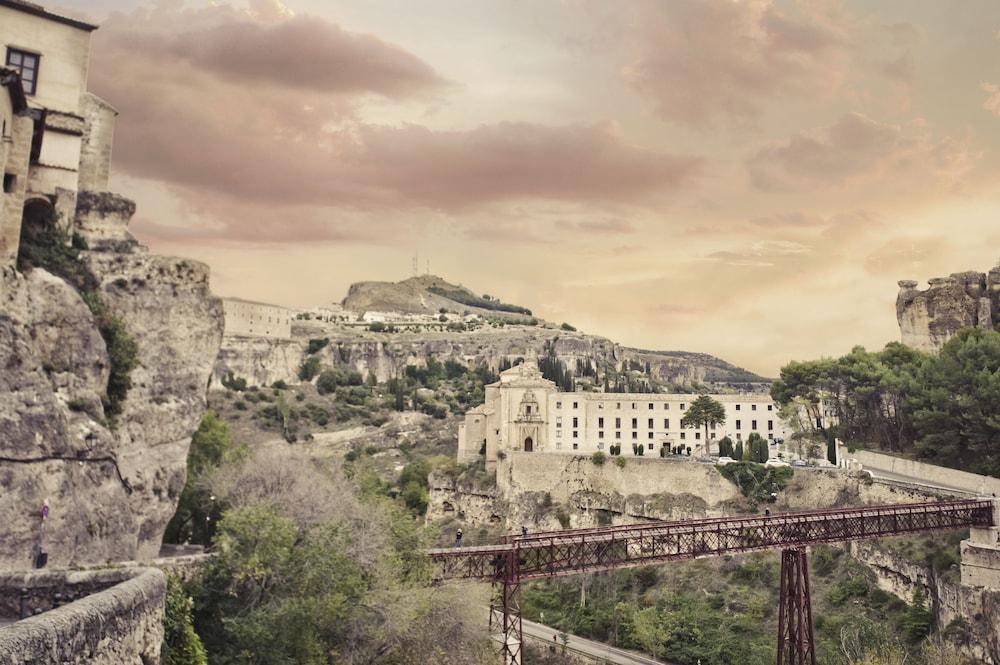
<point x="465" y="298"/>
<point x="941" y="407"/>
<point x="704" y="412"/>
<point x="181" y="644"/>
<point x="758" y="483"/>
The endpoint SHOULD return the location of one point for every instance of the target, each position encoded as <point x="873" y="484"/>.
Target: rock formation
<point x="111" y="487"/>
<point x="929" y="318"/>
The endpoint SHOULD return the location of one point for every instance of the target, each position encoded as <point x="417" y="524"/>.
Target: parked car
<point x="723" y="461"/>
<point x="774" y="461"/>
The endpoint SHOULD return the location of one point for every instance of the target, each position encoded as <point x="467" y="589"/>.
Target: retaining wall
<point x="929" y="473"/>
<point x="121" y="624"/>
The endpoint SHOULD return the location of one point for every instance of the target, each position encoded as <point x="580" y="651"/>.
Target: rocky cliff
<point x="928" y="318"/>
<point x="112" y="483"/>
<point x="262" y="361"/>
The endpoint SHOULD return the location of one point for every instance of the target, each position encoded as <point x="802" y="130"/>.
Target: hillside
<point x="424" y="294"/>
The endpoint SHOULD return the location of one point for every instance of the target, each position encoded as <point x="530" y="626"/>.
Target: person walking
<point x="458" y="538"/>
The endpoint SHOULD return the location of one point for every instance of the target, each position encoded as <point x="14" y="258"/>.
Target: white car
<point x="723" y="461"/>
<point x="774" y="461"/>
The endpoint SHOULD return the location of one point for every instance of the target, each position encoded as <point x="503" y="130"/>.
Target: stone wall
<point x="533" y="488"/>
<point x="922" y="472"/>
<point x="98" y="136"/>
<point x="123" y="623"/>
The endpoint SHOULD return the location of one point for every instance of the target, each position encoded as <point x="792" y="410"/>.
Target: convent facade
<point x="524" y="411"/>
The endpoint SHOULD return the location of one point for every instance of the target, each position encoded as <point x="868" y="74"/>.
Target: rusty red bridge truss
<point x="568" y="552"/>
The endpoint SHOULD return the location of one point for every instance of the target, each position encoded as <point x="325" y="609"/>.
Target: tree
<point x="309" y="368"/>
<point x="726" y="447"/>
<point x="757" y="445"/>
<point x="181" y="644"/>
<point x="705" y="412"/>
<point x="918" y="618"/>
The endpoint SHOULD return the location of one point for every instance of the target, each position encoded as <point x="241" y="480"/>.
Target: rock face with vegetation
<point x="929" y="318"/>
<point x="106" y="353"/>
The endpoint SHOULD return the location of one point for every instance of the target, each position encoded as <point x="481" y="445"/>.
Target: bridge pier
<point x="795" y="625"/>
<point x="505" y="608"/>
<point x="981" y="554"/>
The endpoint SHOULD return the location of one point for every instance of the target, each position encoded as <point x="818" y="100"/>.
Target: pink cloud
<point x="857" y="149"/>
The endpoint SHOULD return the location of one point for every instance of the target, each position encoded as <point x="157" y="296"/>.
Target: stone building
<point x="246" y="318"/>
<point x="928" y="318"/>
<point x="71" y="130"/>
<point x="15" y="144"/>
<point x="523" y="411"/>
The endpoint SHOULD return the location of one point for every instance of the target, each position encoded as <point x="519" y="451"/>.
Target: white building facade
<point x="256" y="319"/>
<point x="524" y="411"/>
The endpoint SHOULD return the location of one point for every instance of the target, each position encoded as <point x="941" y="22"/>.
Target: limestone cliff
<point x="111" y="488"/>
<point x="262" y="361"/>
<point x="928" y="318"/>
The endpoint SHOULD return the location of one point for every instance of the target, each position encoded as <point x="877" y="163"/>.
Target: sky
<point x="746" y="178"/>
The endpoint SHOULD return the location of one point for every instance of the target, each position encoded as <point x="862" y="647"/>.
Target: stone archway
<point x="529" y="445"/>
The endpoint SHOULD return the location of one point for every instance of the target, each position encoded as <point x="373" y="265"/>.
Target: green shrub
<point x="231" y="382"/>
<point x="317" y="345"/>
<point x="279" y="385"/>
<point x="852" y="587"/>
<point x="563" y="519"/>
<point x="240" y="405"/>
<point x="598" y="458"/>
<point x="620" y="462"/>
<point x="181" y="644"/>
<point x="568" y="327"/>
<point x="309" y="368"/>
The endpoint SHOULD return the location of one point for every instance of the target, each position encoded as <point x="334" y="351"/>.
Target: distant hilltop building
<point x="523" y="411"/>
<point x="57" y="137"/>
<point x="928" y="318"/>
<point x="247" y="318"/>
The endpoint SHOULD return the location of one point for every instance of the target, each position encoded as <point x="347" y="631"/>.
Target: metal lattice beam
<point x="574" y="551"/>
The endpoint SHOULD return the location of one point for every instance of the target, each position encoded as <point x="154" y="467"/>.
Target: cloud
<point x="992" y="103"/>
<point x="763" y="254"/>
<point x="703" y="61"/>
<point x="239" y="115"/>
<point x="857" y="149"/>
<point x="605" y="226"/>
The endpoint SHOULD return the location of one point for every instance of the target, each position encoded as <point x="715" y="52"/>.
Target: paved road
<point x="588" y="647"/>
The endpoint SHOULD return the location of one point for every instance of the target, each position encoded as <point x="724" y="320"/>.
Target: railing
<point x="568" y="552"/>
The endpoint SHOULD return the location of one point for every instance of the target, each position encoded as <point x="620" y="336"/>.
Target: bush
<point x="240" y="405"/>
<point x="309" y="368"/>
<point x="563" y="519"/>
<point x="853" y="587"/>
<point x="279" y="385"/>
<point x="620" y="462"/>
<point x="568" y="327"/>
<point x="232" y="382"/>
<point x="598" y="458"/>
<point x="317" y="345"/>
<point x="123" y="354"/>
<point x="181" y="644"/>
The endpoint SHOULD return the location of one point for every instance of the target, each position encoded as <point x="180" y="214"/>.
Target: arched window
<point x="529" y="445"/>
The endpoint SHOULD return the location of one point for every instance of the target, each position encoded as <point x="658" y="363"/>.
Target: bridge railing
<point x="574" y="551"/>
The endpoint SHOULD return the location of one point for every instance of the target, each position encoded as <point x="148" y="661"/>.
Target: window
<point x="737" y="407"/>
<point x="650" y="436"/>
<point x="635" y="423"/>
<point x="575" y="446"/>
<point x="618" y="405"/>
<point x="737" y="424"/>
<point x="618" y="422"/>
<point x="600" y="434"/>
<point x="600" y="446"/>
<point x="666" y="406"/>
<point x="650" y="406"/>
<point x="576" y="434"/>
<point x="633" y="405"/>
<point x="650" y="424"/>
<point x="739" y="437"/>
<point x="712" y="437"/>
<point x="683" y="436"/>
<point x="559" y="434"/>
<point x="650" y="446"/>
<point x="770" y="407"/>
<point x="558" y="423"/>
<point x="575" y="404"/>
<point x="600" y="422"/>
<point x="666" y="423"/>
<point x="682" y="406"/>
<point x="753" y="424"/>
<point x="9" y="182"/>
<point x="576" y="421"/>
<point x="527" y="409"/>
<point x="697" y="436"/>
<point x="770" y="425"/>
<point x="558" y="405"/>
<point x="600" y="405"/>
<point x="26" y="64"/>
<point x="618" y="435"/>
<point x="753" y="407"/>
